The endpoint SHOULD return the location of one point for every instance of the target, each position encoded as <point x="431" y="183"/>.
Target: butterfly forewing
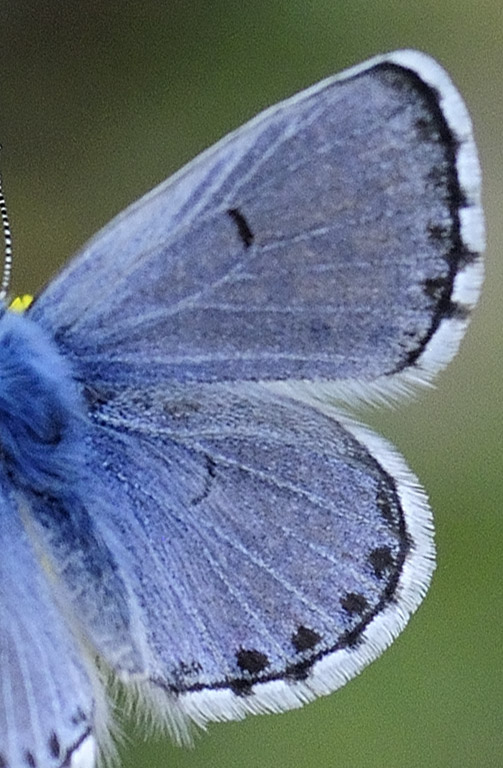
<point x="254" y="262"/>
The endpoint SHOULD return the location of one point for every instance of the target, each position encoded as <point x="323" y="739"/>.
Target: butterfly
<point x="187" y="508"/>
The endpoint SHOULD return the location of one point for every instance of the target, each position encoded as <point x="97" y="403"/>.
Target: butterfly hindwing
<point x="269" y="538"/>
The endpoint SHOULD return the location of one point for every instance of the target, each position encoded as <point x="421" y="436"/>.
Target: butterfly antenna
<point x="7" y="236"/>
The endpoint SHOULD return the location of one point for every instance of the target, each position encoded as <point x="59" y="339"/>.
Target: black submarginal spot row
<point x="252" y="661"/>
<point x="352" y="638"/>
<point x="456" y="311"/>
<point x="439" y="233"/>
<point x="427" y="130"/>
<point x="382" y="561"/>
<point x="298" y="672"/>
<point x="244" y="230"/>
<point x="459" y="198"/>
<point x="354" y="602"/>
<point x="386" y="503"/>
<point x="304" y="639"/>
<point x="435" y="288"/>
<point x="241" y="688"/>
<point x="436" y="177"/>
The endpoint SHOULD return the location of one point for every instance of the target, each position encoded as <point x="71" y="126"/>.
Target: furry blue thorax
<point x="40" y="410"/>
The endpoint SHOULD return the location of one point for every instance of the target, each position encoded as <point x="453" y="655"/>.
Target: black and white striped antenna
<point x="7" y="236"/>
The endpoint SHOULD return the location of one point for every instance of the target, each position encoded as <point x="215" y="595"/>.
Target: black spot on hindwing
<point x="382" y="561"/>
<point x="353" y="602"/>
<point x="304" y="639"/>
<point x="251" y="660"/>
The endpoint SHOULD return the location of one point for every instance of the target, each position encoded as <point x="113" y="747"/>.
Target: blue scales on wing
<point x="213" y="532"/>
<point x="253" y="262"/>
<point x="263" y="537"/>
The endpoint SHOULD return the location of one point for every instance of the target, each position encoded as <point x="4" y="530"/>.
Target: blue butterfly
<point x="187" y="507"/>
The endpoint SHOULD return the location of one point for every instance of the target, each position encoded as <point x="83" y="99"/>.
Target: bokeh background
<point x="101" y="100"/>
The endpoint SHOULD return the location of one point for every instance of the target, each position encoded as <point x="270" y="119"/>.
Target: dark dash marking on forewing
<point x="244" y="230"/>
<point x="3" y="762"/>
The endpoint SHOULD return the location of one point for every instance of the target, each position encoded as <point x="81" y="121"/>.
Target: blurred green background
<point x="100" y="101"/>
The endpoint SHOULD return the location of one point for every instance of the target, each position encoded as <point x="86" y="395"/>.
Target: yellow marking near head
<point x="21" y="303"/>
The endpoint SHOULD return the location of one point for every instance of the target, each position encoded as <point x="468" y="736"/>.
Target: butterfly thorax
<point x="40" y="413"/>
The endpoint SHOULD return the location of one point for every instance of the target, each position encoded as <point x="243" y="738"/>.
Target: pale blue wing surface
<point x="226" y="546"/>
<point x="47" y="703"/>
<point x="320" y="241"/>
<point x="257" y="538"/>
